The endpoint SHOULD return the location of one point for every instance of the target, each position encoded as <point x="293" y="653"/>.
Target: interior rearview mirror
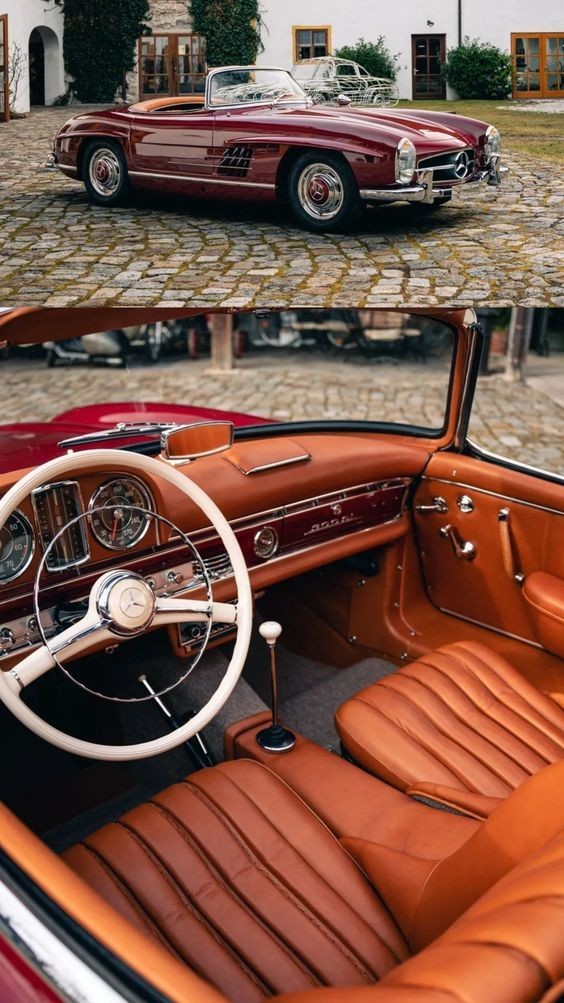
<point x="188" y="442"/>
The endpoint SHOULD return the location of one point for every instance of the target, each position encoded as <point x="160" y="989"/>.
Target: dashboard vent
<point x="217" y="566"/>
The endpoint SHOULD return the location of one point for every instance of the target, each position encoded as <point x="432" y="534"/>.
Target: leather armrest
<point x="544" y="595"/>
<point x="469" y="803"/>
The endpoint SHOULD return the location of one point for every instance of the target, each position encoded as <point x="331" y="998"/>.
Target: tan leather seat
<point x="237" y="877"/>
<point x="459" y="725"/>
<point x="234" y="875"/>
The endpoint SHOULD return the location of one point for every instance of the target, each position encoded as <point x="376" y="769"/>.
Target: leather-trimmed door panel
<point x="515" y="526"/>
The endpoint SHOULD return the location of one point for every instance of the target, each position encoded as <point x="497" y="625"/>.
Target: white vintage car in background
<point x="324" y="78"/>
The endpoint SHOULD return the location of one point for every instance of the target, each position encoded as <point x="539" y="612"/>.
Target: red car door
<point x="175" y="143"/>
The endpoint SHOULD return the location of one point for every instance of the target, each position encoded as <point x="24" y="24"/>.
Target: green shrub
<point x="478" y="70"/>
<point x="375" y="57"/>
<point x="231" y="29"/>
<point x="100" y="44"/>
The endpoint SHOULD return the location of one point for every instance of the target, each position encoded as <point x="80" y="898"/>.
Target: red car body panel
<point x="19" y="980"/>
<point x="188" y="147"/>
<point x="27" y="444"/>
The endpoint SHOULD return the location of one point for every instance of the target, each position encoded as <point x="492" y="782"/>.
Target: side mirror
<point x="203" y="438"/>
<point x="343" y="101"/>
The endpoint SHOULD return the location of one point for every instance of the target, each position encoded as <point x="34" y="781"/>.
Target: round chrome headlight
<point x="406" y="160"/>
<point x="492" y="143"/>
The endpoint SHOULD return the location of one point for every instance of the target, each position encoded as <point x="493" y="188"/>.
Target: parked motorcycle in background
<point x="113" y="348"/>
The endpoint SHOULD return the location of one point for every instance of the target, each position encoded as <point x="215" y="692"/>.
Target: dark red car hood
<point x="27" y="444"/>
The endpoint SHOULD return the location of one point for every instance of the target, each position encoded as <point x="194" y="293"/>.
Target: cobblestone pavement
<point x="499" y="247"/>
<point x="514" y="420"/>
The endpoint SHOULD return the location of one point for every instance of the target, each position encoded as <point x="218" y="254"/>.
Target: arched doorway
<point x="36" y="68"/>
<point x="44" y="57"/>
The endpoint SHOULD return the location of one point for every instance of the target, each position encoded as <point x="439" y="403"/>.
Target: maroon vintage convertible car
<point x="161" y="837"/>
<point x="256" y="135"/>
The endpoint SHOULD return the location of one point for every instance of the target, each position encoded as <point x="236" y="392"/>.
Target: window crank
<point x="439" y="505"/>
<point x="464" y="549"/>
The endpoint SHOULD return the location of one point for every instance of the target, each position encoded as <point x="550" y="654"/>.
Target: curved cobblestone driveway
<point x="497" y="247"/>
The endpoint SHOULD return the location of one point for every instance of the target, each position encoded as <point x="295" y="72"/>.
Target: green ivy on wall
<point x="100" y="39"/>
<point x="231" y="28"/>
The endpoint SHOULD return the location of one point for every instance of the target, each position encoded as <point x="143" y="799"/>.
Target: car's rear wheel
<point x="105" y="173"/>
<point x="322" y="192"/>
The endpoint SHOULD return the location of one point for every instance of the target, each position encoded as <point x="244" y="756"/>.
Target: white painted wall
<point x="490" y="20"/>
<point x="23" y="17"/>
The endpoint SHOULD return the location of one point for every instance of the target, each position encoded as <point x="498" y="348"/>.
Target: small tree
<point x="478" y="70"/>
<point x="231" y="29"/>
<point x="99" y="44"/>
<point x="375" y="57"/>
<point x="17" y="68"/>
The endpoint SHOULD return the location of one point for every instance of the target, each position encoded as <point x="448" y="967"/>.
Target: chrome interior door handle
<point x="464" y="549"/>
<point x="439" y="505"/>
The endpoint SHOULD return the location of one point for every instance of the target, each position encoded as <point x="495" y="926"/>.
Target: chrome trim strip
<point x="66" y="168"/>
<point x="488" y="626"/>
<point x="203" y="179"/>
<point x="524" y="468"/>
<point x="303" y="458"/>
<point x="493" y="494"/>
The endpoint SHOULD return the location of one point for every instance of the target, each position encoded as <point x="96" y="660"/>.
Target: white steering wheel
<point x="109" y="618"/>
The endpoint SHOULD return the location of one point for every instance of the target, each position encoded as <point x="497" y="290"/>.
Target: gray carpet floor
<point x="310" y="693"/>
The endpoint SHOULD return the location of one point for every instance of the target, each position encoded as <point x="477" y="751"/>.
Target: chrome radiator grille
<point x="455" y="166"/>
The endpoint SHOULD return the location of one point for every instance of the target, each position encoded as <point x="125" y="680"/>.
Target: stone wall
<point x="168" y="15"/>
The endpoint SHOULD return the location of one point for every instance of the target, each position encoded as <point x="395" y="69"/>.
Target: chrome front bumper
<point x="427" y="191"/>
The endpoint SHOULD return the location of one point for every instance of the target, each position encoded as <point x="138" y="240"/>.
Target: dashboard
<point x="293" y="505"/>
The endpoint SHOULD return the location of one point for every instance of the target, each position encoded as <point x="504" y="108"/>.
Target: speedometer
<point x="16" y="546"/>
<point x="120" y="512"/>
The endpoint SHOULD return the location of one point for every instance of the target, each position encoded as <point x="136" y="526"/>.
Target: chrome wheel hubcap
<point x="104" y="172"/>
<point x="320" y="191"/>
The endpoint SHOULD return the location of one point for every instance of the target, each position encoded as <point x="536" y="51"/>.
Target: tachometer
<point x="16" y="546"/>
<point x="116" y="517"/>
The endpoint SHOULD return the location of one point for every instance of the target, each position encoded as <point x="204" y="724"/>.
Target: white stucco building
<point x="172" y="59"/>
<point x="421" y="32"/>
<point x="35" y="42"/>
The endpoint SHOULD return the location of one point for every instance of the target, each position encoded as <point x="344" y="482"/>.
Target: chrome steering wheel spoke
<point x="173" y="610"/>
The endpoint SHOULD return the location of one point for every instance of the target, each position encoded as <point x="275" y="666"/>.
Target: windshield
<point x="373" y="366"/>
<point x="250" y="86"/>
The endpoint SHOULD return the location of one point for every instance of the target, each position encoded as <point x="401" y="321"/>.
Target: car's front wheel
<point x="322" y="192"/>
<point x="105" y="173"/>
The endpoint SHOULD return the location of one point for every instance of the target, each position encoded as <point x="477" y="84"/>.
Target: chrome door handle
<point x="464" y="549"/>
<point x="439" y="505"/>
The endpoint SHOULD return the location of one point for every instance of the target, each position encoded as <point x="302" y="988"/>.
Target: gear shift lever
<point x="275" y="738"/>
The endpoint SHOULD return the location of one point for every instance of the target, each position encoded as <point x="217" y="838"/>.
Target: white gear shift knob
<point x="271" y="631"/>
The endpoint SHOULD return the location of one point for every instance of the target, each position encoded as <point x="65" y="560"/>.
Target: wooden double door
<point x="171" y="64"/>
<point x="538" y="64"/>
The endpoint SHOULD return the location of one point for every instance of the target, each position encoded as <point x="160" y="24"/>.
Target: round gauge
<point x="116" y="519"/>
<point x="16" y="546"/>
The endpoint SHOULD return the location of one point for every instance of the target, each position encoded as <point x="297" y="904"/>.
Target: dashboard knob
<point x="265" y="542"/>
<point x="6" y="637"/>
